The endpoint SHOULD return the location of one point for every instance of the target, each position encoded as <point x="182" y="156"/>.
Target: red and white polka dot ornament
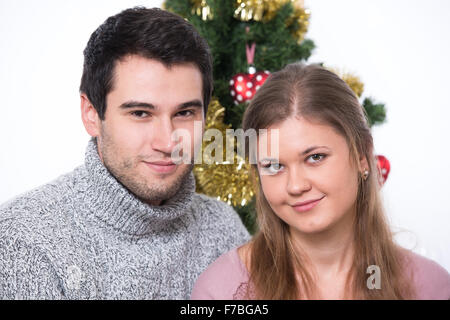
<point x="243" y="86"/>
<point x="384" y="168"/>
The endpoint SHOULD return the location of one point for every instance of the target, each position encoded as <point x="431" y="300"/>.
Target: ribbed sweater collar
<point x="117" y="207"/>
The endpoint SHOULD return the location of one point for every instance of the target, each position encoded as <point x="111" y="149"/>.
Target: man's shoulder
<point x="213" y="205"/>
<point x="40" y="208"/>
<point x="207" y="208"/>
<point x="220" y="217"/>
<point x="48" y="192"/>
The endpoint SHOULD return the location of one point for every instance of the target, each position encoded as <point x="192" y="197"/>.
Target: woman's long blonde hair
<point x="275" y="268"/>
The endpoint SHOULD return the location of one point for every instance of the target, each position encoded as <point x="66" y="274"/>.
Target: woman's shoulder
<point x="431" y="280"/>
<point x="222" y="278"/>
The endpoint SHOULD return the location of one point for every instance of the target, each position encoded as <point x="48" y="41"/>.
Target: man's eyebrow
<point x="311" y="149"/>
<point x="193" y="103"/>
<point x="136" y="104"/>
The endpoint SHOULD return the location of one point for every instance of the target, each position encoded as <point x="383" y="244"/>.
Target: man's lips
<point x="162" y="163"/>
<point x="306" y="205"/>
<point x="161" y="166"/>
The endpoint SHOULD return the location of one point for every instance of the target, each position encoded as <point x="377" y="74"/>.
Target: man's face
<point x="147" y="103"/>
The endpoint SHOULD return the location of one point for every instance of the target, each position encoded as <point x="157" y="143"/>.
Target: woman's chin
<point x="312" y="230"/>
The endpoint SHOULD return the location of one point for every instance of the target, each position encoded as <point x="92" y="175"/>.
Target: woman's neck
<point x="328" y="258"/>
<point x="329" y="254"/>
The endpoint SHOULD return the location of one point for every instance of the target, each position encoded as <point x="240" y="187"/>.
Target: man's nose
<point x="162" y="136"/>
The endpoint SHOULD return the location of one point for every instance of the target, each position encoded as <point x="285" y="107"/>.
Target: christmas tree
<point x="248" y="40"/>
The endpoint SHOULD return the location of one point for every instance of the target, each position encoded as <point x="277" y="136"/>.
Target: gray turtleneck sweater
<point x="85" y="236"/>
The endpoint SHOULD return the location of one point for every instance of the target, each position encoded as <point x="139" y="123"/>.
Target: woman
<point x="322" y="231"/>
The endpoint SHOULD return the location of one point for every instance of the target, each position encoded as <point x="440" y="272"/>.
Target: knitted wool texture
<point x="85" y="236"/>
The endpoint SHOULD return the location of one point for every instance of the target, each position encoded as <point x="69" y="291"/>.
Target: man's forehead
<point x="143" y="82"/>
<point x="136" y="61"/>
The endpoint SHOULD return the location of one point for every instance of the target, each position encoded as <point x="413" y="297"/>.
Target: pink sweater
<point x="227" y="279"/>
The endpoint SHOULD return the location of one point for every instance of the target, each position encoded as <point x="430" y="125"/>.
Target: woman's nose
<point x="298" y="181"/>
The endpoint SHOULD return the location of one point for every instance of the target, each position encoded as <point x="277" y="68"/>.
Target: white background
<point x="400" y="50"/>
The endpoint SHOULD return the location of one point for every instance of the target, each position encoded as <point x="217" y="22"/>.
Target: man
<point x="128" y="223"/>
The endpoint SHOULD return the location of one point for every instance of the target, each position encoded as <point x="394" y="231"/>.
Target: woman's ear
<point x="90" y="117"/>
<point x="363" y="164"/>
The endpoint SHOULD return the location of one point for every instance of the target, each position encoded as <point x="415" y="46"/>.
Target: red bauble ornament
<point x="384" y="167"/>
<point x="243" y="86"/>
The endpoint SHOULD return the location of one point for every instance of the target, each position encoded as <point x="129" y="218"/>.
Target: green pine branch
<point x="375" y="112"/>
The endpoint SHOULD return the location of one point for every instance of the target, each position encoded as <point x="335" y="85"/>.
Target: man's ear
<point x="90" y="117"/>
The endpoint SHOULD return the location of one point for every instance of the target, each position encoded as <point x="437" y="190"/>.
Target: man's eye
<point x="185" y="113"/>
<point x="315" y="158"/>
<point x="139" y="114"/>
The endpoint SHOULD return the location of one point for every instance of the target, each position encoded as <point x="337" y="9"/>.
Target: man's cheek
<point x="197" y="140"/>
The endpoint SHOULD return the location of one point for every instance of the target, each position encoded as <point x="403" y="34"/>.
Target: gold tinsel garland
<point x="353" y="81"/>
<point x="265" y="10"/>
<point x="202" y="9"/>
<point x="247" y="10"/>
<point x="301" y="15"/>
<point x="228" y="182"/>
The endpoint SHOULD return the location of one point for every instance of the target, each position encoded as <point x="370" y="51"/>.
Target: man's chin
<point x="155" y="194"/>
<point x="161" y="187"/>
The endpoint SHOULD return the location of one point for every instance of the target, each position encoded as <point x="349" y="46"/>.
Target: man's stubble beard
<point x="125" y="171"/>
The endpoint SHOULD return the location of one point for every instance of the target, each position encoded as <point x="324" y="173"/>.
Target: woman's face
<point x="314" y="164"/>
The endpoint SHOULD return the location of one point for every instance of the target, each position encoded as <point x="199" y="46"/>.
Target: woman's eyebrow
<point x="268" y="160"/>
<point x="313" y="148"/>
<point x="302" y="153"/>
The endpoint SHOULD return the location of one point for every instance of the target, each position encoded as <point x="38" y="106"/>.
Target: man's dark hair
<point x="150" y="33"/>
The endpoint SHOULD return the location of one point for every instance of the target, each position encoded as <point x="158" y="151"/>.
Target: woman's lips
<point x="162" y="166"/>
<point x="306" y="205"/>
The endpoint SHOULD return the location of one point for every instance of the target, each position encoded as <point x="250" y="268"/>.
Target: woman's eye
<point x="271" y="168"/>
<point x="316" y="158"/>
<point x="139" y="114"/>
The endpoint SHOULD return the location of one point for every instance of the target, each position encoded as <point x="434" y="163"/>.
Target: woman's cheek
<point x="273" y="190"/>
